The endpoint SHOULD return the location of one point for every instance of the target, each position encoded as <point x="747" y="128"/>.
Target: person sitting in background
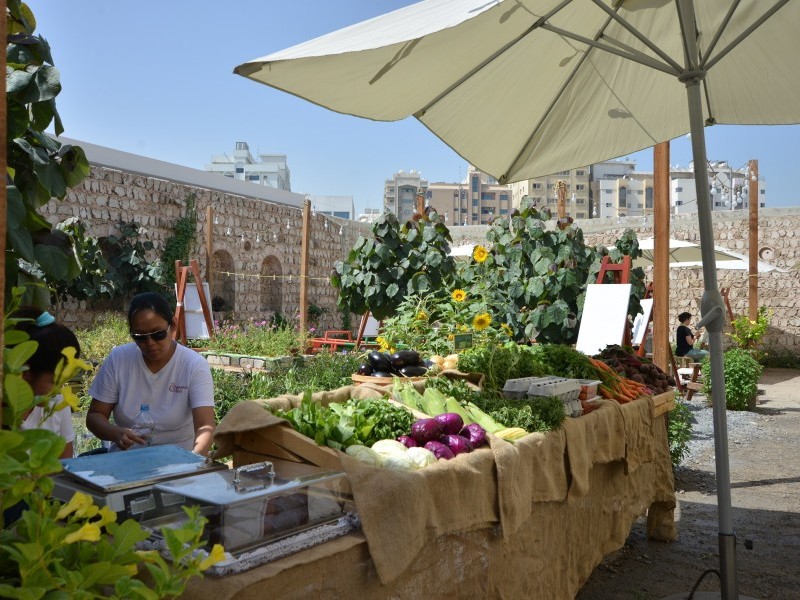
<point x="52" y="338"/>
<point x="685" y="339"/>
<point x="175" y="381"/>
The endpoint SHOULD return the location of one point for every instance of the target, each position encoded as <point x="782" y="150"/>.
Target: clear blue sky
<point x="155" y="77"/>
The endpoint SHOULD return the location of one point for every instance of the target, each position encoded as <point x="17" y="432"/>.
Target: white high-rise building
<point x="400" y="193"/>
<point x="270" y="169"/>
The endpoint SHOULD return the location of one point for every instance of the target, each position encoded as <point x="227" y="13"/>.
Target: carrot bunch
<point x="614" y="386"/>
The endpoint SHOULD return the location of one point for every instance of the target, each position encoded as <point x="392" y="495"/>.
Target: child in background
<point x="52" y="338"/>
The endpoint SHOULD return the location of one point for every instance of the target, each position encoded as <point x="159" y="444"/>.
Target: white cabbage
<point x="364" y="454"/>
<point x="422" y="457"/>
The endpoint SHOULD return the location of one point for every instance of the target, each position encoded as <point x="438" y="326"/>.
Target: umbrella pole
<point x="711" y="308"/>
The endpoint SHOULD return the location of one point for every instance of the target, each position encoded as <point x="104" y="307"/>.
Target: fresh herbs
<point x="564" y="361"/>
<point x="353" y="422"/>
<point x="500" y="363"/>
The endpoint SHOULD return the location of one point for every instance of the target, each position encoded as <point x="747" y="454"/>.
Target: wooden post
<point x="304" y="266"/>
<point x="661" y="218"/>
<point x="420" y="203"/>
<point x="210" y="247"/>
<point x="561" y="202"/>
<point x="752" y="279"/>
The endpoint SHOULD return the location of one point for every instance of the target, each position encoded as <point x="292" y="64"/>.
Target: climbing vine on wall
<point x="181" y="244"/>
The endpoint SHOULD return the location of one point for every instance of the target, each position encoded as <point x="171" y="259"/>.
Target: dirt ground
<point x="765" y="493"/>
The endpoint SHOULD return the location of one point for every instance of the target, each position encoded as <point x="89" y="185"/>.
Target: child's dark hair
<point x="52" y="338"/>
<point x="150" y="301"/>
<point x="683" y="316"/>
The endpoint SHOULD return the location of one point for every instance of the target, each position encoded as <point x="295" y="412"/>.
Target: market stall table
<point x="530" y="519"/>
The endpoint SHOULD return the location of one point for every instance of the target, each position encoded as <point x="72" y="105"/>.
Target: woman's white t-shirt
<point x="59" y="422"/>
<point x="181" y="385"/>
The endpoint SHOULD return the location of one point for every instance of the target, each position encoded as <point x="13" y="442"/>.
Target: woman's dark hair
<point x="52" y="338"/>
<point x="150" y="301"/>
<point x="683" y="316"/>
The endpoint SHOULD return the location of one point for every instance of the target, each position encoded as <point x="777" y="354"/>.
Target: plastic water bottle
<point x="143" y="425"/>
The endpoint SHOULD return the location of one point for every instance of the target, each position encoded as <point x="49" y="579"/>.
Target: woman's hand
<point x="125" y="439"/>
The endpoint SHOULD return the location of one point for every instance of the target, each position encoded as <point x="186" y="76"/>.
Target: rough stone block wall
<point x="247" y="230"/>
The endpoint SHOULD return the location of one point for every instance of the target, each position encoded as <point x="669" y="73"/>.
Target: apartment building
<point x="544" y="191"/>
<point x="269" y="170"/>
<point x="474" y="201"/>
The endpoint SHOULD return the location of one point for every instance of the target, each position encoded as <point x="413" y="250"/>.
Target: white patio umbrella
<point x="683" y="254"/>
<point x="524" y="88"/>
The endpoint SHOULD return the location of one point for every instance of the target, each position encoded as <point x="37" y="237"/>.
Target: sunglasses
<point x="157" y="336"/>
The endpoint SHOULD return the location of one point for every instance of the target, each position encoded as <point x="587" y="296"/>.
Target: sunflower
<point x="422" y="316"/>
<point x="481" y="321"/>
<point x="459" y="295"/>
<point x="507" y="329"/>
<point x="382" y="343"/>
<point x="480" y="254"/>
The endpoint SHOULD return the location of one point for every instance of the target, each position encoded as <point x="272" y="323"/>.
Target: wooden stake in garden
<point x="304" y="267"/>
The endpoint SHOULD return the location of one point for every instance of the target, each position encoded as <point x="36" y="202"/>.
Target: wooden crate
<point x="664" y="402"/>
<point x="284" y="443"/>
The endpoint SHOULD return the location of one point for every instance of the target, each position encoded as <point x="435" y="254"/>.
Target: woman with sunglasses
<point x="175" y="381"/>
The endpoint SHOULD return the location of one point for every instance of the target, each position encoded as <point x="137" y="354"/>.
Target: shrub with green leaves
<point x="742" y="372"/>
<point x="397" y="261"/>
<point x="679" y="432"/>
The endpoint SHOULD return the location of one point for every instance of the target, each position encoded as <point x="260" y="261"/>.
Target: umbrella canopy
<point x="524" y="88"/>
<point x="469" y="68"/>
<point x="688" y="254"/>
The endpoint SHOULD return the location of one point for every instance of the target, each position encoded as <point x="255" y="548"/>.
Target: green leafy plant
<point x="380" y="272"/>
<point x="679" y="431"/>
<point x="747" y="334"/>
<point x="114" y="266"/>
<point x="39" y="167"/>
<point x="500" y="363"/>
<point x="742" y="372"/>
<point x="257" y="338"/>
<point x="534" y="278"/>
<point x="181" y="243"/>
<point x="326" y="371"/>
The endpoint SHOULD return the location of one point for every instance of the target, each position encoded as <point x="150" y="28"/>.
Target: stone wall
<point x="260" y="271"/>
<point x="256" y="264"/>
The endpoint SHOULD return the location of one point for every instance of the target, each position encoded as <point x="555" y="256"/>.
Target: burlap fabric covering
<point x="530" y="519"/>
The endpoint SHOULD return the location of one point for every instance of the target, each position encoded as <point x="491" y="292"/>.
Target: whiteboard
<point x="196" y="327"/>
<point x="604" y="316"/>
<point x="641" y="321"/>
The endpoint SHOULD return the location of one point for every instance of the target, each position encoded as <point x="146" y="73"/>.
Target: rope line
<point x="288" y="278"/>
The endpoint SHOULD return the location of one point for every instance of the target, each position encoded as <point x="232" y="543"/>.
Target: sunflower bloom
<point x="216" y="555"/>
<point x="481" y="321"/>
<point x="422" y="316"/>
<point x="507" y="329"/>
<point x="480" y="254"/>
<point x="459" y="295"/>
<point x="88" y="533"/>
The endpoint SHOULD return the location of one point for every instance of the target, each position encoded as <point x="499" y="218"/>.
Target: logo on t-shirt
<point x="178" y="389"/>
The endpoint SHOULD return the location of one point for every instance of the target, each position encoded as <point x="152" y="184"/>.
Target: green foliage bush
<point x="742" y="372"/>
<point x="257" y="338"/>
<point x="679" y="431"/>
<point x="326" y="371"/>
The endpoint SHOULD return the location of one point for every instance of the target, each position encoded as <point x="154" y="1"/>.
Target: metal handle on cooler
<point x="266" y="466"/>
